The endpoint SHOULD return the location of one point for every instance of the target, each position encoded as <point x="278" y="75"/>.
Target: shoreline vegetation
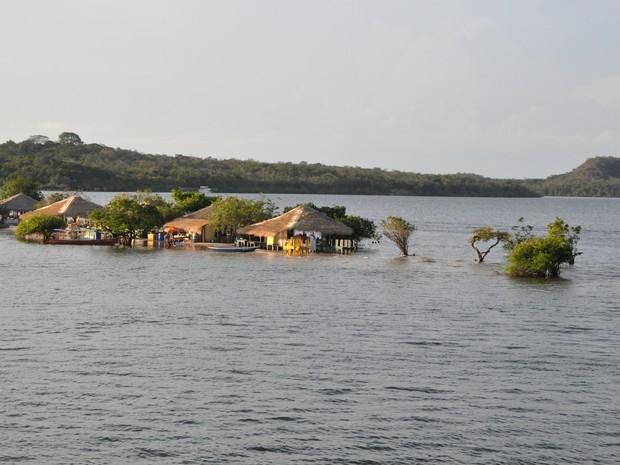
<point x="69" y="164"/>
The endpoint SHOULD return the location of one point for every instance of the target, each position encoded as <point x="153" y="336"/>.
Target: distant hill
<point x="69" y="164"/>
<point x="596" y="169"/>
<point x="72" y="165"/>
<point x="596" y="177"/>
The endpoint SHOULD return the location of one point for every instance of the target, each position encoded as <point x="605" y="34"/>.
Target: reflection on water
<point x="186" y="356"/>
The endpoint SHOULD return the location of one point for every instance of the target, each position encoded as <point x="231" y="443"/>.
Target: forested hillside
<point x="596" y="177"/>
<point x="70" y="164"/>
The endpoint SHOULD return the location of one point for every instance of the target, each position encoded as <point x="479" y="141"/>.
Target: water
<point x="188" y="356"/>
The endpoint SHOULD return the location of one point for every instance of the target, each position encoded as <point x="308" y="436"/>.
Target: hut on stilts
<point x="300" y="231"/>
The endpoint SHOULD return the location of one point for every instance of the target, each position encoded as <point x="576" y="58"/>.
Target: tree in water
<point x="487" y="234"/>
<point x="398" y="231"/>
<point x="232" y="213"/>
<point x="132" y="215"/>
<point x="41" y="224"/>
<point x="543" y="256"/>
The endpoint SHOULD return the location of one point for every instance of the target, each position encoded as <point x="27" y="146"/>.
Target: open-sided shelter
<point x="299" y="220"/>
<point x="195" y="223"/>
<point x="17" y="204"/>
<point x="71" y="207"/>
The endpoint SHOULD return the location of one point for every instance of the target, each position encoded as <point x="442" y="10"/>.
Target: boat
<point x="205" y="190"/>
<point x="80" y="237"/>
<point x="232" y="248"/>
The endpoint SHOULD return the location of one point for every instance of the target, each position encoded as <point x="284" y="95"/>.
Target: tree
<point x="232" y="213"/>
<point x="131" y="215"/>
<point x="187" y="202"/>
<point x="522" y="232"/>
<point x="39" y="224"/>
<point x="20" y="185"/>
<point x="52" y="198"/>
<point x="39" y="139"/>
<point x="363" y="228"/>
<point x="398" y="231"/>
<point x="543" y="256"/>
<point x="69" y="138"/>
<point x="487" y="234"/>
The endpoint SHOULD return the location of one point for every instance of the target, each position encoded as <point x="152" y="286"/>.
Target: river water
<point x="182" y="356"/>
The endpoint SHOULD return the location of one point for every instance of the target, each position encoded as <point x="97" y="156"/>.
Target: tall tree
<point x="20" y="185"/>
<point x="232" y="213"/>
<point x="398" y="231"/>
<point x="191" y="201"/>
<point x="69" y="138"/>
<point x="39" y="139"/>
<point x="132" y="215"/>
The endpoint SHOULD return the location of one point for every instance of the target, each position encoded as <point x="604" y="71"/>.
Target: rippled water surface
<point x="187" y="356"/>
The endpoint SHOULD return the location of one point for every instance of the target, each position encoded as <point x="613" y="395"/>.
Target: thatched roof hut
<point x="301" y="218"/>
<point x="71" y="207"/>
<point x="18" y="203"/>
<point x="196" y="222"/>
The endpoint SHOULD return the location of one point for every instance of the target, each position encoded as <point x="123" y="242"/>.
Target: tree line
<point x="70" y="164"/>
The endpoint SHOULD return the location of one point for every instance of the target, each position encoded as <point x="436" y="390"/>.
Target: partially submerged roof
<point x="70" y="207"/>
<point x="192" y="222"/>
<point x="301" y="218"/>
<point x="19" y="203"/>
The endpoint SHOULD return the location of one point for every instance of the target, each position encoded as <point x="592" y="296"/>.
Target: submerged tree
<point x="232" y="213"/>
<point x="131" y="215"/>
<point x="487" y="234"/>
<point x="543" y="256"/>
<point x="522" y="232"/>
<point x="398" y="231"/>
<point x="39" y="224"/>
<point x="363" y="228"/>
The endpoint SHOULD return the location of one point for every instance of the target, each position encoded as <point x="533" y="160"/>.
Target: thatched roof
<point x="192" y="222"/>
<point x="301" y="218"/>
<point x="18" y="203"/>
<point x="71" y="206"/>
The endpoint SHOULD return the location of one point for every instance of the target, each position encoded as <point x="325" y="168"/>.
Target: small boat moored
<point x="232" y="248"/>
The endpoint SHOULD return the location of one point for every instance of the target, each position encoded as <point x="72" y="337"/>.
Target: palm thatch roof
<point x="70" y="207"/>
<point x="18" y="203"/>
<point x="301" y="218"/>
<point x="192" y="222"/>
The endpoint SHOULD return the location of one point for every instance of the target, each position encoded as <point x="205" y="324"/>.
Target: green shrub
<point x="539" y="256"/>
<point x="39" y="224"/>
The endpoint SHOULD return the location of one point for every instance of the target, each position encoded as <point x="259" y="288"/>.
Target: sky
<point x="504" y="89"/>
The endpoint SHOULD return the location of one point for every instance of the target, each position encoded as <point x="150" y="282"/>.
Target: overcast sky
<point x="523" y="88"/>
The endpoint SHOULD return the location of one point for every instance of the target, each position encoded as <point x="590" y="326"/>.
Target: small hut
<point x="301" y="220"/>
<point x="195" y="223"/>
<point x="69" y="208"/>
<point x="16" y="205"/>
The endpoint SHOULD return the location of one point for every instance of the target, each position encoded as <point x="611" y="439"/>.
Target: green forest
<point x="69" y="164"/>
